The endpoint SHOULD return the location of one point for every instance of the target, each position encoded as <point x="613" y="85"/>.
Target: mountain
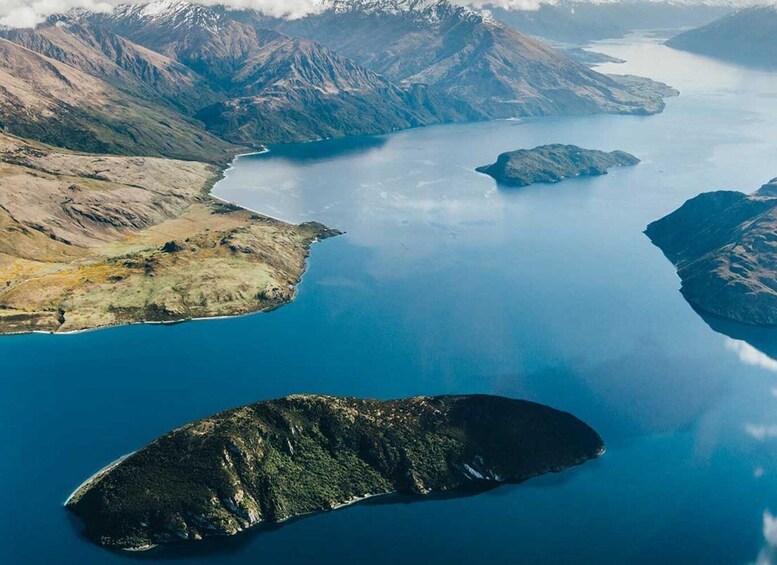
<point x="724" y="245"/>
<point x="276" y="89"/>
<point x="465" y="54"/>
<point x="579" y="21"/>
<point x="151" y="79"/>
<point x="137" y="70"/>
<point x="278" y="459"/>
<point x="53" y="102"/>
<point x="747" y="37"/>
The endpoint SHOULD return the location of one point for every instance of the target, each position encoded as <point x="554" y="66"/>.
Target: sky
<point x="28" y="13"/>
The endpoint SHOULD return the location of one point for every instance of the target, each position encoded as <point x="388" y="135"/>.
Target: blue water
<point x="446" y="283"/>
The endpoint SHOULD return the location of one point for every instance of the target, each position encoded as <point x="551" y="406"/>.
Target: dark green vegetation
<point x="553" y="163"/>
<point x="747" y="37"/>
<point x="724" y="245"/>
<point x="193" y="82"/>
<point x="274" y="460"/>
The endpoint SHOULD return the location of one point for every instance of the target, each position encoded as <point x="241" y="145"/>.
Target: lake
<point x="446" y="283"/>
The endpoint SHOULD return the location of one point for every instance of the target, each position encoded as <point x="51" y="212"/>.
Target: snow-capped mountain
<point x="431" y="12"/>
<point x="352" y="67"/>
<point x="464" y="53"/>
<point x="176" y="13"/>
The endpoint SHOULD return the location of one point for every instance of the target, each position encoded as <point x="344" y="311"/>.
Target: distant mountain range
<point x="747" y="37"/>
<point x="579" y="21"/>
<point x="177" y="79"/>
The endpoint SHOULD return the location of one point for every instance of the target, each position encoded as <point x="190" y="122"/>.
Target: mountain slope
<point x="126" y="65"/>
<point x="89" y="241"/>
<point x="276" y="89"/>
<point x="579" y="21"/>
<point x="464" y="54"/>
<point x="46" y="100"/>
<point x="747" y="37"/>
<point x="296" y="90"/>
<point x="725" y="249"/>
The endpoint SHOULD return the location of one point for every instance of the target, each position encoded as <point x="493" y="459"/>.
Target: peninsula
<point x="274" y="460"/>
<point x="90" y="241"/>
<point x="553" y="163"/>
<point x="725" y="249"/>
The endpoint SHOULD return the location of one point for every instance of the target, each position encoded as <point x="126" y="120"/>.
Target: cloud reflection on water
<point x="750" y="355"/>
<point x="768" y="553"/>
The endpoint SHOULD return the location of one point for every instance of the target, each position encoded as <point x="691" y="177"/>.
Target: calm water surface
<point x="446" y="283"/>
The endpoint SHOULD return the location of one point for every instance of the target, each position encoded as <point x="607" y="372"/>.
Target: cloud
<point x="29" y="13"/>
<point x="750" y="355"/>
<point x="525" y="5"/>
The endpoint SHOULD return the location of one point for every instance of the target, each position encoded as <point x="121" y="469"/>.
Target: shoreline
<point x="222" y="175"/>
<point x="176" y="322"/>
<point x="247" y="530"/>
<point x="351" y="502"/>
<point x="96" y="476"/>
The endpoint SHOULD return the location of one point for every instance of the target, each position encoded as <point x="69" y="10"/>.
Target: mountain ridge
<point x="250" y="80"/>
<point x="747" y="37"/>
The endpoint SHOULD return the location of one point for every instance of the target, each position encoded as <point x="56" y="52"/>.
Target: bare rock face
<point x="273" y="460"/>
<point x="553" y="163"/>
<point x="724" y="245"/>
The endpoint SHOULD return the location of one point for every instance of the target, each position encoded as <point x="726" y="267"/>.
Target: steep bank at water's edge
<point x="725" y="249"/>
<point x="553" y="163"/>
<point x="92" y="241"/>
<point x="274" y="460"/>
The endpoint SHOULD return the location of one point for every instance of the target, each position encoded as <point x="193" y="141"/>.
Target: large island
<point x="89" y="241"/>
<point x="553" y="163"/>
<point x="274" y="460"/>
<point x="724" y="245"/>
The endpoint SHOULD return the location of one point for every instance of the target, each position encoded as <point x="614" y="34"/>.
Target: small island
<point x="724" y="246"/>
<point x="553" y="163"/>
<point x="274" y="460"/>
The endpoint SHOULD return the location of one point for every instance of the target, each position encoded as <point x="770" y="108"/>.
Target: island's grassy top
<point x="92" y="240"/>
<point x="273" y="460"/>
<point x="553" y="163"/>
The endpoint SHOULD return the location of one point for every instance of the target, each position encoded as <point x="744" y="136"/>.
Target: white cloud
<point x="29" y="13"/>
<point x="506" y="4"/>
